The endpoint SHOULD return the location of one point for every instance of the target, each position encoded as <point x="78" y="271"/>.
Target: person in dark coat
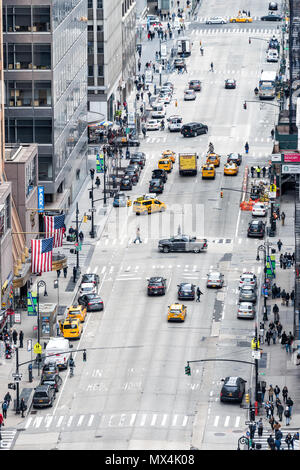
<point x="280" y="410"/>
<point x="287" y="298"/>
<point x="271" y="442"/>
<point x="8" y="398"/>
<point x="23" y="407"/>
<point x="65" y="271"/>
<point x="15" y="337"/>
<point x="74" y="274"/>
<point x="283" y="295"/>
<point x="199" y="293"/>
<point x="284" y="338"/>
<point x="21" y="337"/>
<point x="4" y="409"/>
<point x="279" y="244"/>
<point x="285" y="392"/>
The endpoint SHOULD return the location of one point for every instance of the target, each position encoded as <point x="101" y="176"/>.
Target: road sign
<point x="14" y="374"/>
<point x="17" y="379"/>
<point x="37" y="348"/>
<point x="256" y="354"/>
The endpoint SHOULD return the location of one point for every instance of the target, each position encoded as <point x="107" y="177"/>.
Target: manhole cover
<point x="220" y="434"/>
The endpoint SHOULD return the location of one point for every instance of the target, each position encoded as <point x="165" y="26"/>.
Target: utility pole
<point x="104" y="161"/>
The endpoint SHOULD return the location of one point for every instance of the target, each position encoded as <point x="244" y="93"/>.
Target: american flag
<point x="41" y="255"/>
<point x="54" y="228"/>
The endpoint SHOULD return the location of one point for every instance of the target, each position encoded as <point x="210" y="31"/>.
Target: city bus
<point x="267" y="85"/>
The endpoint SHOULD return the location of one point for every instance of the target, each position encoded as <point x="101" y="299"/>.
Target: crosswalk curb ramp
<point x="7" y="436"/>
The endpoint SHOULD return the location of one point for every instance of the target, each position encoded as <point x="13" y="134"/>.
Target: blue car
<point x="120" y="200"/>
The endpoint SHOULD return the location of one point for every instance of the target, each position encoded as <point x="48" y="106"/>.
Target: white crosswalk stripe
<point x="7" y="437"/>
<point x="175" y="420"/>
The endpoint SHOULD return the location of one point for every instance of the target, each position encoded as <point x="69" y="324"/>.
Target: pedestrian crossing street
<point x="8" y="436"/>
<point x="98" y="420"/>
<point x="266" y="434"/>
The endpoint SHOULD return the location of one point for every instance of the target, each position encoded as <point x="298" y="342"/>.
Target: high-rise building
<point x="105" y="57"/>
<point x="128" y="46"/>
<point x="45" y="63"/>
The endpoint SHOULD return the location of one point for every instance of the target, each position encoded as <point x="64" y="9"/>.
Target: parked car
<point x="92" y="302"/>
<point x="247" y="294"/>
<point x="44" y="395"/>
<point x="175" y="123"/>
<point x="54" y="380"/>
<point x="87" y="288"/>
<point x="133" y="176"/>
<point x="90" y="277"/>
<point x="248" y="278"/>
<point x="233" y="389"/>
<point x="153" y="125"/>
<point x="126" y="183"/>
<point x="139" y="158"/>
<point x="216" y="20"/>
<point x="246" y="310"/>
<point x="125" y="142"/>
<point x="259" y="210"/>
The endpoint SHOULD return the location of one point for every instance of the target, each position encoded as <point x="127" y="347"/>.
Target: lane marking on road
<point x="153" y="421"/>
<point x="165" y="417"/>
<point x="59" y="421"/>
<point x="143" y="420"/>
<point x="185" y="420"/>
<point x="132" y="419"/>
<point x="91" y="420"/>
<point x="103" y="270"/>
<point x="70" y="421"/>
<point x="237" y="421"/>
<point x="80" y="420"/>
<point x="226" y="421"/>
<point x="216" y="421"/>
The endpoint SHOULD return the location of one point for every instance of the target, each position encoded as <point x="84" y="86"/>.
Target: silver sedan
<point x="247" y="294"/>
<point x="216" y="20"/>
<point x="246" y="310"/>
<point x="215" y="279"/>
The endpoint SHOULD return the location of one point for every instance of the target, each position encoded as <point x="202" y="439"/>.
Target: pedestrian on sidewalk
<point x="1" y="424"/>
<point x="268" y="409"/>
<point x="211" y="67"/>
<point x="282" y="218"/>
<point x="287" y="415"/>
<point x="287" y="298"/>
<point x="293" y="297"/>
<point x="281" y="261"/>
<point x="289" y="403"/>
<point x="276" y="313"/>
<point x="276" y="391"/>
<point x="74" y="274"/>
<point x="289" y="441"/>
<point x="23" y="407"/>
<point x="272" y="422"/>
<point x="263" y="391"/>
<point x="81" y="236"/>
<point x="15" y="337"/>
<point x="279" y="329"/>
<point x="264" y="171"/>
<point x="274" y="291"/>
<point x="288" y="345"/>
<point x="279" y="244"/>
<point x="246" y="147"/>
<point x="284" y="338"/>
<point x="280" y="410"/>
<point x="252" y="429"/>
<point x="144" y="131"/>
<point x="21" y="337"/>
<point x="260" y="427"/>
<point x="7" y="398"/>
<point x="268" y="336"/>
<point x="199" y="293"/>
<point x="252" y="171"/>
<point x="258" y="170"/>
<point x="58" y="272"/>
<point x="285" y="392"/>
<point x="261" y="333"/>
<point x="65" y="271"/>
<point x="137" y="238"/>
<point x="97" y="182"/>
<point x="274" y="335"/>
<point x="4" y="409"/>
<point x="283" y="296"/>
<point x="271" y="393"/>
<point x="284" y="262"/>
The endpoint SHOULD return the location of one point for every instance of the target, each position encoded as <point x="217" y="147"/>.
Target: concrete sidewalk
<point x="67" y="293"/>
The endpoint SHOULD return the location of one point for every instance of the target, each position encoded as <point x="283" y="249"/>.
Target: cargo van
<point x="58" y="346"/>
<point x="158" y="111"/>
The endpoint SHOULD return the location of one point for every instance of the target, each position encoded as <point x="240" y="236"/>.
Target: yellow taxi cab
<point x="213" y="158"/>
<point x="77" y="311"/>
<point x="240" y="19"/>
<point x="231" y="169"/>
<point x="169" y="154"/>
<point x="71" y="328"/>
<point x="165" y="164"/>
<point x="208" y="171"/>
<point x="148" y="205"/>
<point x="176" y="312"/>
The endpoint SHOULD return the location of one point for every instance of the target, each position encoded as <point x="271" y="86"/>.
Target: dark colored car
<point x="120" y="200"/>
<point x="133" y="176"/>
<point x="273" y="6"/>
<point x="126" y="183"/>
<point x="178" y="63"/>
<point x="271" y="17"/>
<point x="255" y="192"/>
<point x="156" y="186"/>
<point x="54" y="380"/>
<point x="134" y="166"/>
<point x="247" y="294"/>
<point x="49" y="369"/>
<point x="186" y="291"/>
<point x="193" y="129"/>
<point x="123" y="142"/>
<point x="90" y="277"/>
<point x="274" y="44"/>
<point x="233" y="389"/>
<point x="138" y="157"/>
<point x="156" y="286"/>
<point x="256" y="229"/>
<point x="235" y="158"/>
<point x="195" y="85"/>
<point x="230" y="83"/>
<point x="44" y="395"/>
<point x="91" y="302"/>
<point x="161" y="174"/>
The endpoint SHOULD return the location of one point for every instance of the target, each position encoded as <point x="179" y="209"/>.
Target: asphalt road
<point x="132" y="392"/>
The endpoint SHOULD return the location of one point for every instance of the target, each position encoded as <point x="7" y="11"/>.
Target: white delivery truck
<point x="56" y="352"/>
<point x="183" y="47"/>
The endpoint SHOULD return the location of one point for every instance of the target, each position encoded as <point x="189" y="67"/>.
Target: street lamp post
<point x="92" y="232"/>
<point x="265" y="249"/>
<point x="41" y="283"/>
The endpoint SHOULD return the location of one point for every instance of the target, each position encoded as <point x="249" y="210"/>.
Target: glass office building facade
<point x="45" y="64"/>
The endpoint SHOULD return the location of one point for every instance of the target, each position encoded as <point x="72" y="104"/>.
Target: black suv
<point x="186" y="291"/>
<point x="156" y="286"/>
<point x="233" y="389"/>
<point x="162" y="174"/>
<point x="256" y="229"/>
<point x="126" y="183"/>
<point x="193" y="129"/>
<point x="54" y="380"/>
<point x="44" y="395"/>
<point x="156" y="186"/>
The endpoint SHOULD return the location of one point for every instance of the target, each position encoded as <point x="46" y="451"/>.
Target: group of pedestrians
<point x="258" y="170"/>
<point x="286" y="260"/>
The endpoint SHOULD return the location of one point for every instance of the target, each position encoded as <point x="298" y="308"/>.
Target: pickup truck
<point x="183" y="243"/>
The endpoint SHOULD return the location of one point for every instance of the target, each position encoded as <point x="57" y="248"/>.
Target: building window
<point x="100" y="48"/>
<point x="90" y="70"/>
<point x="41" y="19"/>
<point x="90" y="47"/>
<point x="43" y="131"/>
<point x="90" y="3"/>
<point x="42" y="93"/>
<point x="90" y="27"/>
<point x="19" y="56"/>
<point x="19" y="93"/>
<point x="22" y="19"/>
<point x="100" y="70"/>
<point x="24" y="130"/>
<point x="99" y="3"/>
<point x="42" y="56"/>
<point x="99" y="27"/>
<point x="45" y="168"/>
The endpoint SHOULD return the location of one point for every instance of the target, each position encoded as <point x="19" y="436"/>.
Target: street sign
<point x="16" y="375"/>
<point x="17" y="379"/>
<point x="41" y="199"/>
<point x="37" y="348"/>
<point x="256" y="354"/>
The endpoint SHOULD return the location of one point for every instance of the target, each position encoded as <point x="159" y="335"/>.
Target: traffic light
<point x="247" y="398"/>
<point x="84" y="356"/>
<point x="245" y="105"/>
<point x="187" y="370"/>
<point x="85" y="218"/>
<point x="92" y="172"/>
<point x="221" y="194"/>
<point x="249" y="40"/>
<point x="252" y="414"/>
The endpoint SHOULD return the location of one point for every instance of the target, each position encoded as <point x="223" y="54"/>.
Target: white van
<point x="58" y="346"/>
<point x="259" y="209"/>
<point x="158" y="111"/>
<point x="272" y="55"/>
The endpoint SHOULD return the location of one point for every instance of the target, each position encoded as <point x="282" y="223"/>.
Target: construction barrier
<point x="246" y="205"/>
